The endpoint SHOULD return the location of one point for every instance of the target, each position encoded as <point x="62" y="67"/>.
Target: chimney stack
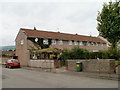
<point x="35" y="28"/>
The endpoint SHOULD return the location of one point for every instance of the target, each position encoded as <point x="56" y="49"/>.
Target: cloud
<point x="69" y="17"/>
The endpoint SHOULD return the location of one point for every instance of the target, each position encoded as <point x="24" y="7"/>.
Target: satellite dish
<point x="36" y="39"/>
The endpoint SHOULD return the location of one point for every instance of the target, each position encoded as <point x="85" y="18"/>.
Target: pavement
<point x="108" y="76"/>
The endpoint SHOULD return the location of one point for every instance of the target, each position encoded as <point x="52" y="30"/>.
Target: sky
<point x="66" y="16"/>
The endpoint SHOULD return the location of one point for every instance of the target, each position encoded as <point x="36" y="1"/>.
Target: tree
<point x="109" y="23"/>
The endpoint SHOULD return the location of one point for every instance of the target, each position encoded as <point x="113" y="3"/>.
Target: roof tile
<point x="58" y="35"/>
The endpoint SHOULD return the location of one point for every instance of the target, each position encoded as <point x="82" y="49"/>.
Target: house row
<point x="32" y="39"/>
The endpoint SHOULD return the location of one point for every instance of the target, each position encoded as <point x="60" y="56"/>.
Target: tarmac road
<point x="22" y="78"/>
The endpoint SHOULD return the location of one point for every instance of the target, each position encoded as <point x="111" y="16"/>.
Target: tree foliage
<point x="109" y="23"/>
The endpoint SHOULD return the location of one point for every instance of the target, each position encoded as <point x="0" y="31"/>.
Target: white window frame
<point x="75" y="42"/>
<point x="70" y="42"/>
<point x="95" y="50"/>
<point x="80" y="43"/>
<point x="92" y="44"/>
<point x="22" y="42"/>
<point x="53" y="42"/>
<point x="88" y="43"/>
<point x="45" y="41"/>
<point x="60" y="42"/>
<point x="96" y="43"/>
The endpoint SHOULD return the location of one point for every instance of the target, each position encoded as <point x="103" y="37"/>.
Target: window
<point x="80" y="43"/>
<point x="96" y="43"/>
<point x="70" y="42"/>
<point x="104" y="44"/>
<point x="75" y="42"/>
<point x="8" y="61"/>
<point x="91" y="43"/>
<point x="53" y="42"/>
<point x="88" y="43"/>
<point x="15" y="61"/>
<point x="95" y="50"/>
<point x="84" y="43"/>
<point x="45" y="41"/>
<point x="22" y="42"/>
<point x="60" y="42"/>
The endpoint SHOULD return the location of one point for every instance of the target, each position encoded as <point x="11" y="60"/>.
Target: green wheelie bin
<point x="78" y="66"/>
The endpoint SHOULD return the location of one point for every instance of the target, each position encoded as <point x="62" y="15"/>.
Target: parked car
<point x="12" y="63"/>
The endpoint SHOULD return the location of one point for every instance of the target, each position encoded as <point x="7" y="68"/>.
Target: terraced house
<point x="28" y="39"/>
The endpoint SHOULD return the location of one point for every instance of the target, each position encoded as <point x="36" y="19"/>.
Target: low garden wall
<point x="101" y="66"/>
<point x="118" y="69"/>
<point x="41" y="63"/>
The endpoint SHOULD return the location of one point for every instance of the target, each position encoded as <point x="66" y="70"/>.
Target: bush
<point x="74" y="53"/>
<point x="100" y="55"/>
<point x="80" y="53"/>
<point x="117" y="62"/>
<point x="114" y="53"/>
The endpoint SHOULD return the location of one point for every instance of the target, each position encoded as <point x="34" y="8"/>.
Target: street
<point x="22" y="78"/>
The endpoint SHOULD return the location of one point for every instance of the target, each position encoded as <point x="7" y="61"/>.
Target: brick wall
<point x="102" y="66"/>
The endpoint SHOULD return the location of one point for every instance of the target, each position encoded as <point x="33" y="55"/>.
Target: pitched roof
<point x="8" y="52"/>
<point x="58" y="35"/>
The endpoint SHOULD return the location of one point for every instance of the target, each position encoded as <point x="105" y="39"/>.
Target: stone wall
<point x="101" y="66"/>
<point x="41" y="63"/>
<point x="118" y="69"/>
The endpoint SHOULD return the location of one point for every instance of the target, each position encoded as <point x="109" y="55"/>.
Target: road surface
<point x="22" y="78"/>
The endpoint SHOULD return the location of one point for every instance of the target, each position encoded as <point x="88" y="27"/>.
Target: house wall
<point x="31" y="45"/>
<point x="21" y="49"/>
<point x="90" y="48"/>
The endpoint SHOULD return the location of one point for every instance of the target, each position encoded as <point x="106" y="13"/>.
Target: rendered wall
<point x="41" y="63"/>
<point x="101" y="66"/>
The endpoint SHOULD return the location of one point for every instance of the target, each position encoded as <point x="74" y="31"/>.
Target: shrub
<point x="74" y="53"/>
<point x="114" y="53"/>
<point x="99" y="54"/>
<point x="117" y="62"/>
<point x="80" y="53"/>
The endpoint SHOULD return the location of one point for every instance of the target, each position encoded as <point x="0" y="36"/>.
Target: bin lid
<point x="78" y="62"/>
